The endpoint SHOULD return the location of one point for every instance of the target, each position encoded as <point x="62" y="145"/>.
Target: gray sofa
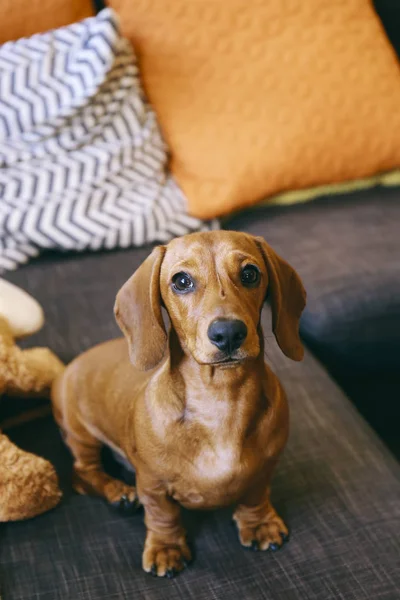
<point x="338" y="484"/>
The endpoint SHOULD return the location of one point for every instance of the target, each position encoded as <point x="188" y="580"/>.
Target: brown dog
<point x="197" y="412"/>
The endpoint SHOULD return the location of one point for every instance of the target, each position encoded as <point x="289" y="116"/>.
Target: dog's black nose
<point x="227" y="335"/>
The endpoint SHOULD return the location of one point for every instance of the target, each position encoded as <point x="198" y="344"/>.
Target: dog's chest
<point x="219" y="464"/>
<point x="211" y="478"/>
<point x="214" y="457"/>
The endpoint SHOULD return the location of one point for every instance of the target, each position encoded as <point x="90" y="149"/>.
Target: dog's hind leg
<point x="90" y="478"/>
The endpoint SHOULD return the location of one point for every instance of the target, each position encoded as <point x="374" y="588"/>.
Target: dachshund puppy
<point x="196" y="411"/>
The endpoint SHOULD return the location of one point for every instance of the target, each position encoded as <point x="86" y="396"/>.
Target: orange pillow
<point x="22" y="18"/>
<point x="255" y="97"/>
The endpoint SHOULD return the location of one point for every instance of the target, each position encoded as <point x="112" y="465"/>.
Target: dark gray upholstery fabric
<point x="77" y="293"/>
<point x="346" y="249"/>
<point x="389" y="12"/>
<point x="337" y="486"/>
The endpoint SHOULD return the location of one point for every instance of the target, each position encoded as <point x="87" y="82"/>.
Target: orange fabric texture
<point x="22" y="18"/>
<point x="255" y="97"/>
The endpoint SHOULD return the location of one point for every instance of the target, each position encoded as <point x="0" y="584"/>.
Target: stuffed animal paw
<point x="28" y="483"/>
<point x="25" y="372"/>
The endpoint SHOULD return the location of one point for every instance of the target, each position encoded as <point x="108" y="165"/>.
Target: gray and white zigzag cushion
<point x="82" y="161"/>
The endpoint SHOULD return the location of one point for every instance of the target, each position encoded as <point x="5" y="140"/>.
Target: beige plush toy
<point x="28" y="484"/>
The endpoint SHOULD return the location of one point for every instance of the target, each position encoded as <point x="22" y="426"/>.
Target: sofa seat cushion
<point x="346" y="250"/>
<point x="336" y="486"/>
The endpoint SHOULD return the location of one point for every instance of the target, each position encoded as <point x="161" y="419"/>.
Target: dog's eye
<point x="250" y="275"/>
<point x="182" y="282"/>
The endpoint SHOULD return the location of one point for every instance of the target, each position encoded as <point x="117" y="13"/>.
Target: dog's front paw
<point x="165" y="559"/>
<point x="270" y="534"/>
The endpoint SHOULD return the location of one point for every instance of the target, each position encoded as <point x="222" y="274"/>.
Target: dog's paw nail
<point x="285" y="537"/>
<point x="273" y="547"/>
<point x="136" y="505"/>
<point x="120" y="503"/>
<point x="125" y="505"/>
<point x="255" y="546"/>
<point x="153" y="570"/>
<point x="170" y="574"/>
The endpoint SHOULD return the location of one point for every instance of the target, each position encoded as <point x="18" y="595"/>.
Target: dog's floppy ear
<point x="288" y="299"/>
<point x="138" y="313"/>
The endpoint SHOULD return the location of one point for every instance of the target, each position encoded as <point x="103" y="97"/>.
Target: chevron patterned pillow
<point x="82" y="161"/>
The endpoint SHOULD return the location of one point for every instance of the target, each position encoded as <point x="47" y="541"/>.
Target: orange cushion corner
<point x="23" y="18"/>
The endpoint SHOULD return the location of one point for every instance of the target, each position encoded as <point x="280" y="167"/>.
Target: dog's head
<point x="213" y="286"/>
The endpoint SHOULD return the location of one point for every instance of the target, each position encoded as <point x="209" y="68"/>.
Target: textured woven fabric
<point x="346" y="250"/>
<point x="82" y="161"/>
<point x="337" y="486"/>
<point x="267" y="96"/>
